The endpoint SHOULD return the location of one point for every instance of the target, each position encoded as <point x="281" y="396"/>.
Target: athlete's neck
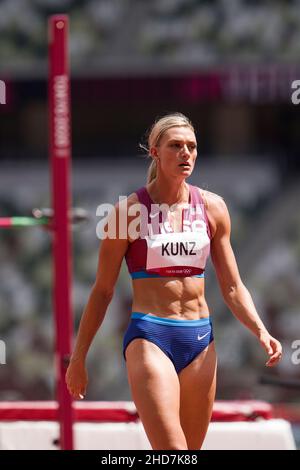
<point x="166" y="192"/>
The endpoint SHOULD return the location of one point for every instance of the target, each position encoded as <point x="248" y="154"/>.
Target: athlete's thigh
<point x="197" y="394"/>
<point x="155" y="390"/>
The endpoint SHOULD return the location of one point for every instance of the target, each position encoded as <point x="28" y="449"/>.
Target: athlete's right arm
<point x="111" y="253"/>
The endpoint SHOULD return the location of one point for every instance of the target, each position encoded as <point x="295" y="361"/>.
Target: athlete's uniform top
<point x="161" y="252"/>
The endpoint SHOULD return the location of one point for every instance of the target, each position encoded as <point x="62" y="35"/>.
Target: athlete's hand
<point x="272" y="346"/>
<point x="77" y="379"/>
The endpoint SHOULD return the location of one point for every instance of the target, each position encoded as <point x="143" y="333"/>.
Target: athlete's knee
<point x="170" y="442"/>
<point x="176" y="447"/>
<point x="172" y="445"/>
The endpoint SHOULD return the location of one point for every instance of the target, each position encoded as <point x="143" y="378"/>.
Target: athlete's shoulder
<point x="132" y="199"/>
<point x="127" y="202"/>
<point x="216" y="210"/>
<point x="212" y="200"/>
<point x="128" y="208"/>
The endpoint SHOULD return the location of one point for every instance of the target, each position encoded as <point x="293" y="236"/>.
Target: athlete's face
<point x="177" y="152"/>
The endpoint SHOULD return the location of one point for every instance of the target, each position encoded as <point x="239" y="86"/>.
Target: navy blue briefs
<point x="180" y="340"/>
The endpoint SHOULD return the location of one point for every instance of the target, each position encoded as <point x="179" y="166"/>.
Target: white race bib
<point x="187" y="250"/>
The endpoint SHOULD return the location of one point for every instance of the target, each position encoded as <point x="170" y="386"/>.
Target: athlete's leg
<point x="155" y="391"/>
<point x="197" y="394"/>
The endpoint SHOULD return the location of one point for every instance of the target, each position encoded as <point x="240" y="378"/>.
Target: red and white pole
<point x="60" y="163"/>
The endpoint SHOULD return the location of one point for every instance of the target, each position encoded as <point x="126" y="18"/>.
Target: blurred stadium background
<point x="229" y="66"/>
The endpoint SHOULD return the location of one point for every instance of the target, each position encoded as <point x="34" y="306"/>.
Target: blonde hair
<point x="156" y="132"/>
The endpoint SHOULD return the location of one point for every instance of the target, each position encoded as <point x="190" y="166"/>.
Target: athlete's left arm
<point x="235" y="293"/>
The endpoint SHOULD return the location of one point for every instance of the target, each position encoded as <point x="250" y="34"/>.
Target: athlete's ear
<point x="153" y="152"/>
